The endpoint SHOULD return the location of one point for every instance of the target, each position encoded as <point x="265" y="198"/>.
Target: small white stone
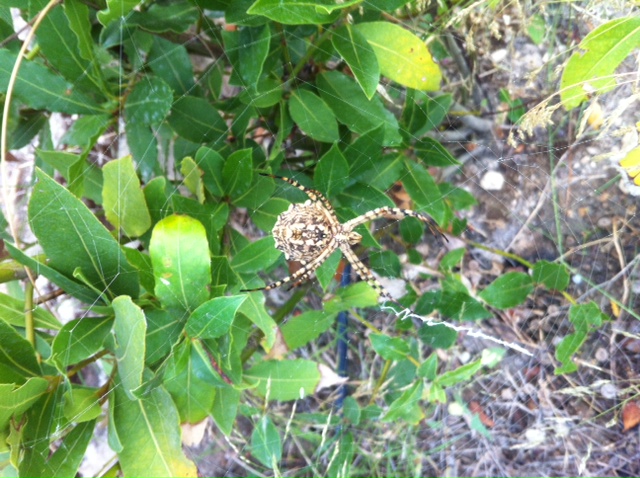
<point x="609" y="391"/>
<point x="535" y="436"/>
<point x="492" y="181"/>
<point x="499" y="55"/>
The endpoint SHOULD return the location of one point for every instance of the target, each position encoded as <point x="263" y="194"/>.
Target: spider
<point x="310" y="232"/>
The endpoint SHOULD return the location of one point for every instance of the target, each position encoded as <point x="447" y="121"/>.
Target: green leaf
<point x="602" y="51"/>
<point x="213" y="318"/>
<point x="73" y="238"/>
<point x="149" y="433"/>
<point x="59" y="44"/>
<point x="419" y="117"/>
<point x="259" y="192"/>
<point x="429" y="368"/>
<point x="385" y="263"/>
<point x="456" y="303"/>
<point x="352" y="412"/>
<point x="237" y="174"/>
<point x="356" y="295"/>
<point x="266" y="445"/>
<point x="236" y="13"/>
<point x="457" y="197"/>
<point x="38" y="88"/>
<point x="407" y="406"/>
<point x="313" y="116"/>
<point x="342" y="458"/>
<point x="193" y="178"/>
<point x="12" y="311"/>
<point x="253" y="48"/>
<point x="294" y="12"/>
<point x="190" y="381"/>
<point x="411" y="230"/>
<point x="257" y="256"/>
<point x="163" y="332"/>
<point x="389" y="348"/>
<point x="553" y="276"/>
<point x="143" y="145"/>
<point x="180" y="257"/>
<point x="211" y="163"/>
<point x="452" y="259"/>
<point x="253" y="309"/>
<point x="196" y="120"/>
<point x="149" y="101"/>
<point x="264" y="94"/>
<point x="285" y="379"/>
<point x="225" y="408"/>
<point x="123" y="200"/>
<point x="266" y="215"/>
<point x="129" y="330"/>
<point x="68" y="456"/>
<point x="79" y="339"/>
<point x="17" y="357"/>
<point x="586" y="315"/>
<point x="332" y="172"/>
<point x="362" y="197"/>
<point x="171" y="62"/>
<point x="37" y="432"/>
<point x="423" y="190"/>
<point x="461" y="306"/>
<point x="85" y="131"/>
<point x="507" y="291"/>
<point x="537" y="28"/>
<point x="175" y="16"/>
<point x="353" y="109"/>
<point x="365" y="152"/>
<point x="16" y="399"/>
<point x="327" y="270"/>
<point x="30" y="124"/>
<point x="78" y="15"/>
<point x="116" y="9"/>
<point x="402" y="56"/>
<point x="221" y="272"/>
<point x="461" y="374"/>
<point x="432" y="153"/>
<point x="71" y="287"/>
<point x="306" y="327"/>
<point x="81" y="404"/>
<point x="68" y="164"/>
<point x="356" y="51"/>
<point x="437" y="336"/>
<point x="585" y="318"/>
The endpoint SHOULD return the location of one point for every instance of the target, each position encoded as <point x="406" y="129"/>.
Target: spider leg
<point x="395" y="213"/>
<point x="365" y="274"/>
<point x="304" y="273"/>
<point x="313" y="194"/>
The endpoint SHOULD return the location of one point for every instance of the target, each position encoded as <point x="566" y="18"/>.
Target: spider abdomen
<point x="302" y="232"/>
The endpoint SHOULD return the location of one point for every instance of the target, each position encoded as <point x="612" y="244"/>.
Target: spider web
<point x="553" y="194"/>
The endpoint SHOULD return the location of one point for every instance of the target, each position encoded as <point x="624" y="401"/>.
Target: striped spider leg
<point x="310" y="232"/>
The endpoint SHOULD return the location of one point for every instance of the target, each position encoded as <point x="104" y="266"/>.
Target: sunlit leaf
<point x="402" y="56"/>
<point x="149" y="433"/>
<point x="591" y="69"/>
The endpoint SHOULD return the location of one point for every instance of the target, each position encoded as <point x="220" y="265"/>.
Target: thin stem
<point x="5" y="120"/>
<point x="29" y="324"/>
<point x="380" y="381"/>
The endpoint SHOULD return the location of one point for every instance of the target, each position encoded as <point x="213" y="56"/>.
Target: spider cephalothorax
<point x="310" y="232"/>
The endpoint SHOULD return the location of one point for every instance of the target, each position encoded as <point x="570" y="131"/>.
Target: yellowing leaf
<point x="604" y="49"/>
<point x="631" y="165"/>
<point x="402" y="56"/>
